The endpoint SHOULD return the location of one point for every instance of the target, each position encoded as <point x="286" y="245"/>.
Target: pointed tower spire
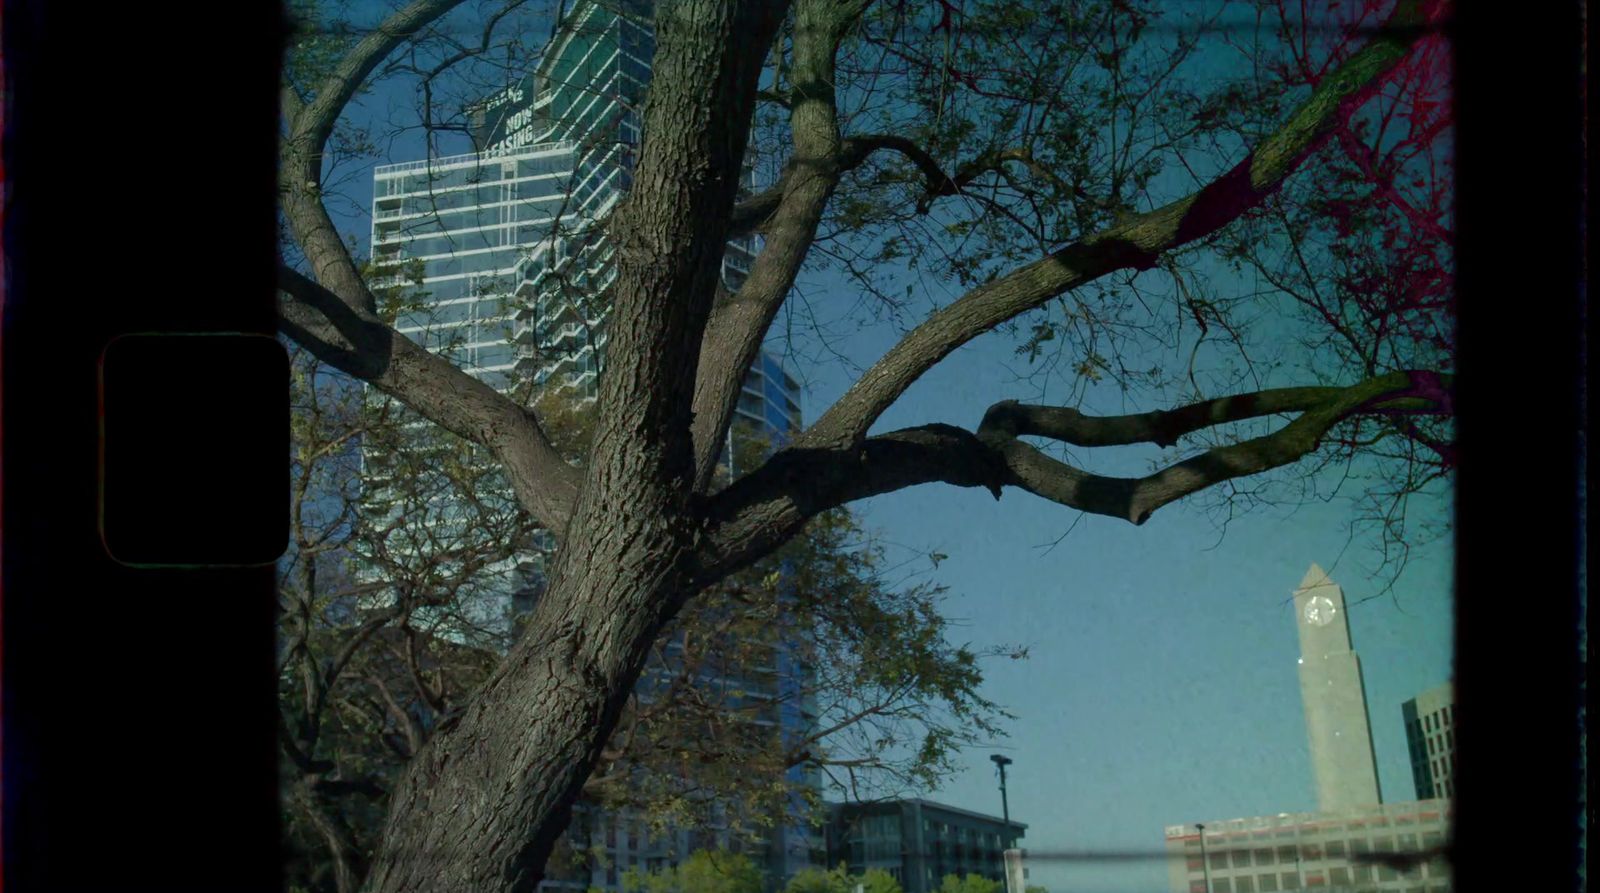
<point x="1342" y="757"/>
<point x="1314" y="578"/>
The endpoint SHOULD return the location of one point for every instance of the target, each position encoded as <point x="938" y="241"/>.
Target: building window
<point x="1241" y="858"/>
<point x="1362" y="873"/>
<point x="1221" y="885"/>
<point x="1286" y="854"/>
<point x="1339" y="877"/>
<point x="1311" y="851"/>
<point x="1335" y="849"/>
<point x="1267" y="883"/>
<point x="1290" y="879"/>
<point x="1196" y="864"/>
<point x="1244" y="885"/>
<point x="1264" y="857"/>
<point x="1219" y="859"/>
<point x="1198" y="887"/>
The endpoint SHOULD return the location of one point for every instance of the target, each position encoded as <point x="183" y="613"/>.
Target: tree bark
<point x="481" y="807"/>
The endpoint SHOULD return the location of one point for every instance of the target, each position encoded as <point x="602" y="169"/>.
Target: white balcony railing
<point x="446" y="161"/>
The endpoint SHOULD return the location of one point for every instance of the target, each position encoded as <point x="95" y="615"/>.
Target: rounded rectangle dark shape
<point x="194" y="449"/>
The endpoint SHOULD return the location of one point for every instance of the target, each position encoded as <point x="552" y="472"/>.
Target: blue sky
<point x="1161" y="686"/>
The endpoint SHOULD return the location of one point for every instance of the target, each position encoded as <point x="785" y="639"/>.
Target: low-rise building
<point x="918" y="842"/>
<point x="1313" y="851"/>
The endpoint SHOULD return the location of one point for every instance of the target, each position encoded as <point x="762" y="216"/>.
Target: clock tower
<point x="1335" y="697"/>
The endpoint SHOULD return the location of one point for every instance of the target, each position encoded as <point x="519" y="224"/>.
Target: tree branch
<point x="361" y="344"/>
<point x="348" y="862"/>
<point x="1135" y="499"/>
<point x="1135" y="243"/>
<point x="770" y="505"/>
<point x="738" y="322"/>
<point x="314" y="123"/>
<point x="334" y="314"/>
<point x="1428" y="392"/>
<point x="755" y="214"/>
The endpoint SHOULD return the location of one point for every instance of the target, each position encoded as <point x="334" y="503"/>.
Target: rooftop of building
<point x="1407" y="809"/>
<point x="926" y="805"/>
<point x="471" y="159"/>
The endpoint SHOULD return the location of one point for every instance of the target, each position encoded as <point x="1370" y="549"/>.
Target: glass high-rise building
<point x="505" y="256"/>
<point x="506" y="247"/>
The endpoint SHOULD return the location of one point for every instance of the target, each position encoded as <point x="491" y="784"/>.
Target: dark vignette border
<point x="138" y="715"/>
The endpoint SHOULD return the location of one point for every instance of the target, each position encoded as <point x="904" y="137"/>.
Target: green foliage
<point x="876" y="880"/>
<point x="396" y="286"/>
<point x="704" y="871"/>
<point x="970" y="883"/>
<point x="840" y="880"/>
<point x="319" y="38"/>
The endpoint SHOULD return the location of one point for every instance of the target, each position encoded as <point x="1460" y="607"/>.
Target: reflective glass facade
<point x="919" y="842"/>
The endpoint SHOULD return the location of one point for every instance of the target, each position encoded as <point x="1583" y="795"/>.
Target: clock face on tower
<point x="1320" y="610"/>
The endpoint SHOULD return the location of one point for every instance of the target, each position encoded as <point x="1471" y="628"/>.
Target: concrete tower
<point x="1335" y="698"/>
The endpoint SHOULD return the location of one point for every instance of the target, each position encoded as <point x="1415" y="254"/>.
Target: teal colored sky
<point x="1161" y="686"/>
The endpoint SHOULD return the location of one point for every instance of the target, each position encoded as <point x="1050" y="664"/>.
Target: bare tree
<point x="1064" y="211"/>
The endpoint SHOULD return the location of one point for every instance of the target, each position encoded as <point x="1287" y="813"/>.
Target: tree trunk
<point x="481" y="807"/>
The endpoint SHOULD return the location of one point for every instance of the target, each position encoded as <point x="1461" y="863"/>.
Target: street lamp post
<point x="1012" y="872"/>
<point x="1205" y="863"/>
<point x="1003" y="762"/>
